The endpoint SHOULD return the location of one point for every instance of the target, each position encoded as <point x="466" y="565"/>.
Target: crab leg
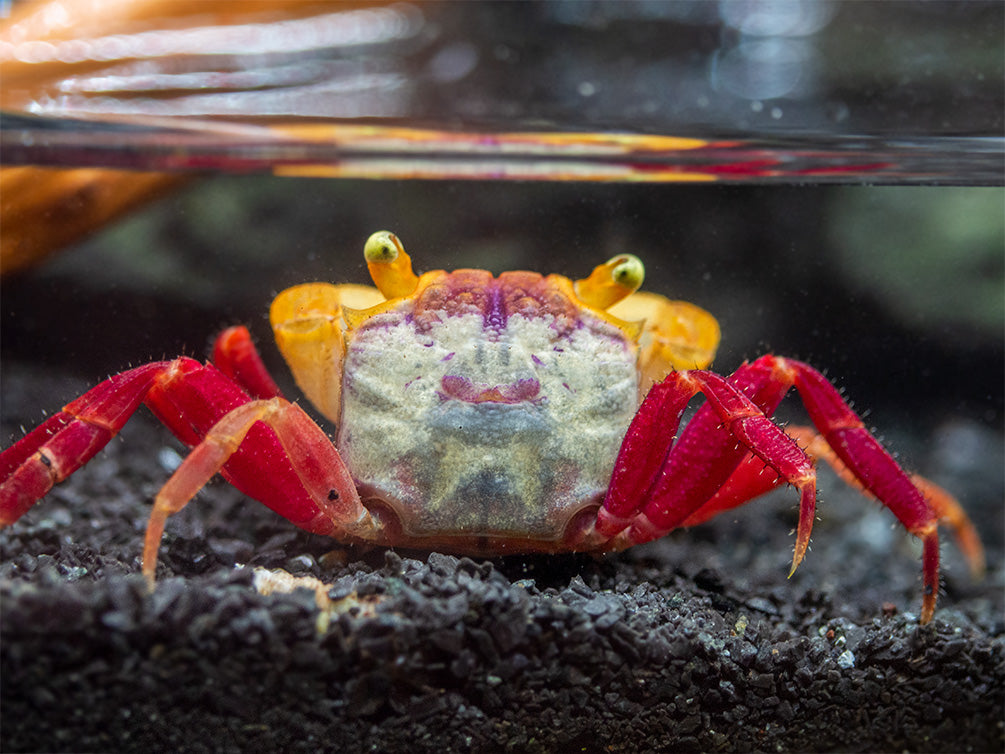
<point x="703" y="458"/>
<point x="708" y="471"/>
<point x="946" y="507"/>
<point x="751" y="479"/>
<point x="235" y="355"/>
<point x="310" y="487"/>
<point x="194" y="398"/>
<point x="68" y="440"/>
<point x="875" y="469"/>
<point x="655" y="487"/>
<point x="314" y="460"/>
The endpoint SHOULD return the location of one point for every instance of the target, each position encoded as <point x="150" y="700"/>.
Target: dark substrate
<point x="696" y="643"/>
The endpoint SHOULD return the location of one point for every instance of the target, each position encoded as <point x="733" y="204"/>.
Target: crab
<point x="487" y="415"/>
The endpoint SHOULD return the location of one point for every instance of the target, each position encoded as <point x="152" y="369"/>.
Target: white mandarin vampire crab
<point x="487" y="415"/>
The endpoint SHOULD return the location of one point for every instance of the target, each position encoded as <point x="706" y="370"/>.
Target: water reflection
<point x="693" y="68"/>
<point x="773" y="51"/>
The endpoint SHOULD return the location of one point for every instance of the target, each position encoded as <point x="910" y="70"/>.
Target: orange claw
<point x="675" y="335"/>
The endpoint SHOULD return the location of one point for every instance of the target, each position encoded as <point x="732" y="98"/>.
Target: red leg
<point x="874" y="468"/>
<point x="751" y="479"/>
<point x="705" y="455"/>
<point x="287" y="462"/>
<point x="706" y="472"/>
<point x="709" y="450"/>
<point x="946" y="507"/>
<point x="743" y="427"/>
<point x="68" y="440"/>
<point x="736" y="476"/>
<point x="643" y="452"/>
<point x="235" y="355"/>
<point x="334" y="504"/>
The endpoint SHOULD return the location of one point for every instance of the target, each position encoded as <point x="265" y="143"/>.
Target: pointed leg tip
<point x="797" y="558"/>
<point x="974" y="555"/>
<point x="927" y="610"/>
<point x="807" y="510"/>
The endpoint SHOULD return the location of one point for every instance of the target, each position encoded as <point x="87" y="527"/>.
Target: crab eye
<point x="383" y="246"/>
<point x="609" y="283"/>
<point x="389" y="265"/>
<point x="628" y="271"/>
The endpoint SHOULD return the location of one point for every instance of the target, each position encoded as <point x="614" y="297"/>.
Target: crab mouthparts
<point x="468" y="391"/>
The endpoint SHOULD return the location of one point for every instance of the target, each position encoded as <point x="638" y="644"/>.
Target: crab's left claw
<point x="309" y="322"/>
<point x="675" y="335"/>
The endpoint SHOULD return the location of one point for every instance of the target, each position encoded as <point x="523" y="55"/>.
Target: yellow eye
<point x="628" y="271"/>
<point x="382" y="247"/>
<point x="612" y="281"/>
<point x="389" y="265"/>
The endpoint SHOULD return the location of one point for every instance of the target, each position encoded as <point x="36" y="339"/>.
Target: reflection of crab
<point x="486" y="415"/>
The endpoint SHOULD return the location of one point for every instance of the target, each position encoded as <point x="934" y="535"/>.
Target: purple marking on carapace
<point x="495" y="313"/>
<point x="464" y="389"/>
